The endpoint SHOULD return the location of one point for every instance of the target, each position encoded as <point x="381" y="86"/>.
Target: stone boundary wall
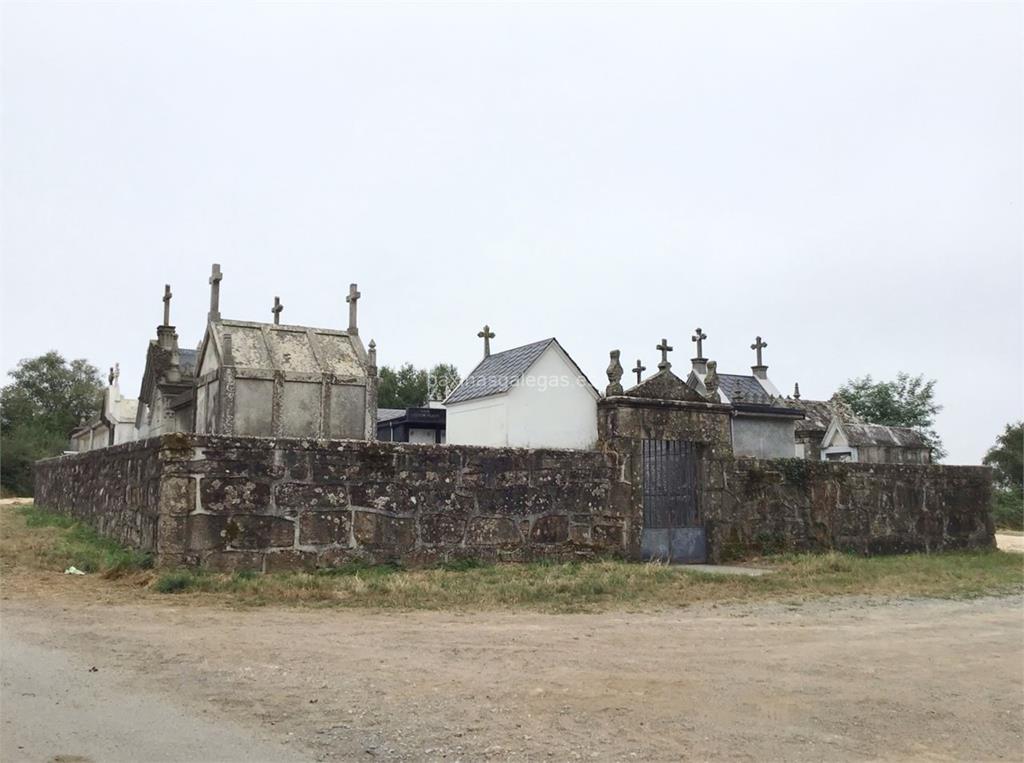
<point x="267" y="504"/>
<point x="270" y="504"/>
<point x="116" y="490"/>
<point x="756" y="506"/>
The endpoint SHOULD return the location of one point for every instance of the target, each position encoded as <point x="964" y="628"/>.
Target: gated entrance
<point x="672" y="527"/>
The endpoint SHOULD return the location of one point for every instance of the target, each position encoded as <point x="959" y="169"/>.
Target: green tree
<point x="908" y="401"/>
<point x="442" y="380"/>
<point x="1006" y="458"/>
<point x="411" y="387"/>
<point x="47" y="398"/>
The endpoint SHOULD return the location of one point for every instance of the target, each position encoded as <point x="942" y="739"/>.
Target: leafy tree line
<point x="908" y="401"/>
<point x="47" y="398"/>
<point x="411" y="387"/>
<point x="1006" y="458"/>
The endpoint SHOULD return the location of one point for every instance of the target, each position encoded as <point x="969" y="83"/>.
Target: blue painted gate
<point x="673" y="530"/>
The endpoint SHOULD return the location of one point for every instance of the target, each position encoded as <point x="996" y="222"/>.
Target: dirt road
<point x="57" y="706"/>
<point x="840" y="680"/>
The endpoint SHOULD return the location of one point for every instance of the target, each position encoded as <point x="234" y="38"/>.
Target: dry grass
<point x="615" y="584"/>
<point x="32" y="542"/>
<point x="35" y="539"/>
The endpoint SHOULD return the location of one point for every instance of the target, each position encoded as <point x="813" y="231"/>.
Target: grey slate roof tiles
<point x="387" y="414"/>
<point x="498" y="373"/>
<point x="752" y="391"/>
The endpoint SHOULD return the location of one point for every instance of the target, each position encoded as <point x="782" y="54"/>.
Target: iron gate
<point x="672" y="526"/>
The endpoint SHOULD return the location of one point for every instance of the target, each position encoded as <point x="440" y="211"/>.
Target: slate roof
<point x="498" y="373"/>
<point x="386" y="414"/>
<point x="879" y="435"/>
<point x="753" y="392"/>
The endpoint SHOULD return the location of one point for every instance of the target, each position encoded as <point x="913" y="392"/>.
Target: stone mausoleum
<point x="274" y="380"/>
<point x="247" y="378"/>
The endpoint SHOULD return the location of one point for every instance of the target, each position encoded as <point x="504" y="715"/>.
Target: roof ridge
<point x="498" y="372"/>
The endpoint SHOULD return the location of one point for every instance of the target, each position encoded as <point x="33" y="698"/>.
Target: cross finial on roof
<point x="215" y="278"/>
<point x="276" y="310"/>
<point x="758" y="345"/>
<point x="167" y="304"/>
<point x="699" y="338"/>
<point x="352" y="299"/>
<point x="639" y="370"/>
<point x="665" y="349"/>
<point x="487" y="335"/>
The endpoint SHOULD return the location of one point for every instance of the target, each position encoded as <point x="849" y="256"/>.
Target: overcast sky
<point x="844" y="180"/>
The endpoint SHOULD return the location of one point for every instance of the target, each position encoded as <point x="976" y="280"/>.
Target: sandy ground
<point x="843" y="679"/>
<point x="1008" y="542"/>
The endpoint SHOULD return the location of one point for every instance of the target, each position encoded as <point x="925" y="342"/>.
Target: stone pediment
<point x="665" y="385"/>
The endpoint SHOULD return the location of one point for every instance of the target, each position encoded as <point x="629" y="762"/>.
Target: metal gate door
<point x="672" y="527"/>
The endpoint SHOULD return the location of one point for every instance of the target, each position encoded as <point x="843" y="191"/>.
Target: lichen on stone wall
<point x="271" y="503"/>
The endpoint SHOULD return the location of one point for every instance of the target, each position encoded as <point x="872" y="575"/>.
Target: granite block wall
<point x="271" y="504"/>
<point x="756" y="506"/>
<point x="115" y="490"/>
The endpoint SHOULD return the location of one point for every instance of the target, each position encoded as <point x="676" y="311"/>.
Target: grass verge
<point x="55" y="541"/>
<point x="32" y="540"/>
<point x="603" y="585"/>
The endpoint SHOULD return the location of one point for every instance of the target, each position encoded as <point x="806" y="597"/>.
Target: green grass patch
<point x="174" y="582"/>
<point x="603" y="585"/>
<point x="78" y="545"/>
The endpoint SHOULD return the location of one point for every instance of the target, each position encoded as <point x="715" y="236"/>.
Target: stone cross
<point x="758" y="345"/>
<point x="352" y="298"/>
<point x="167" y="304"/>
<point x="487" y="335"/>
<point x="665" y="349"/>
<point x="614" y="375"/>
<point x="215" y="279"/>
<point x="276" y="310"/>
<point x="699" y="338"/>
<point x="639" y="370"/>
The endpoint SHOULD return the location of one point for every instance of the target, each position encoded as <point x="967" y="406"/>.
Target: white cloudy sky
<point x="843" y="179"/>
